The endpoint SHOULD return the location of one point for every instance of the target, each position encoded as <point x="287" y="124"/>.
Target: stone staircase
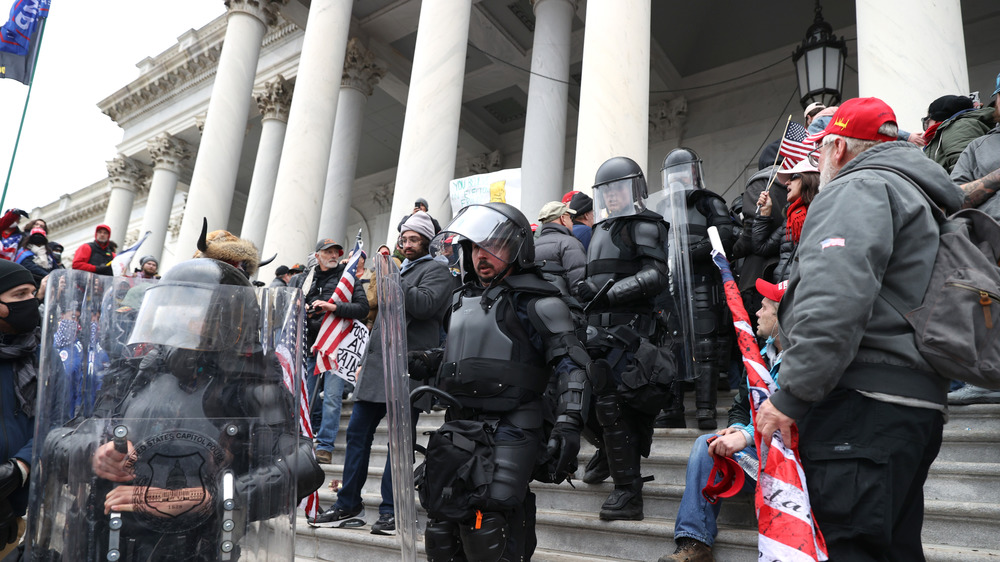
<point x="962" y="515"/>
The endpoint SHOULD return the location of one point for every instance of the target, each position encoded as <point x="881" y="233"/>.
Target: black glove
<point x="563" y="448"/>
<point x="423" y="364"/>
<point x="10" y="478"/>
<point x="585" y="291"/>
<point x="103" y="270"/>
<point x="21" y="212"/>
<point x="8" y="523"/>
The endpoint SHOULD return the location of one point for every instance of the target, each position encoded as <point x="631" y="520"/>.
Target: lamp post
<point x="819" y="63"/>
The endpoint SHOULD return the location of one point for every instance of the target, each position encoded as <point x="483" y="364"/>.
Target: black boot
<point x="673" y="412"/>
<point x="624" y="503"/>
<point x="597" y="468"/>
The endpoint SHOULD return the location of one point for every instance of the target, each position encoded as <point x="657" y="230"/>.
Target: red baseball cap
<point x="858" y="118"/>
<point x="569" y="197"/>
<point x="770" y="290"/>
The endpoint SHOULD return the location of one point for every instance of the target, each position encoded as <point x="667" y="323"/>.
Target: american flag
<point x="793" y="146"/>
<point x="285" y="358"/>
<point x="785" y="525"/>
<point x="335" y="329"/>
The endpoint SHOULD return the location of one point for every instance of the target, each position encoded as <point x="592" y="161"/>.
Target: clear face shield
<point x="197" y="317"/>
<point x="617" y="198"/>
<point x="487" y="228"/>
<point x="683" y="177"/>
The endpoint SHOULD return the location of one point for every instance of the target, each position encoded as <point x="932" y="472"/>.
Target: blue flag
<point x="19" y="39"/>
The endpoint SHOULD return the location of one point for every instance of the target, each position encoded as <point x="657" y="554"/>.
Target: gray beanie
<point x="419" y="222"/>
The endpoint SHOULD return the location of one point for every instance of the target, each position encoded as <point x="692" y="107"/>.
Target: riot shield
<point x="392" y="325"/>
<point x="165" y="430"/>
<point x="671" y="203"/>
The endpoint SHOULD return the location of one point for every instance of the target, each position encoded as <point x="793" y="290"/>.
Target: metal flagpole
<point x="24" y="112"/>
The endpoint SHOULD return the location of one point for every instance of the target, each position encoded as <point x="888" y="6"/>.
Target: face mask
<point x="23" y="316"/>
<point x="37" y="239"/>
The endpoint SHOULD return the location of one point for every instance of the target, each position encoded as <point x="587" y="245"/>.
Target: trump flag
<point x="19" y="39"/>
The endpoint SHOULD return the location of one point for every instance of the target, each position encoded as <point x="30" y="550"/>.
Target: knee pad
<point x="607" y="409"/>
<point x="485" y="540"/>
<point x="441" y="541"/>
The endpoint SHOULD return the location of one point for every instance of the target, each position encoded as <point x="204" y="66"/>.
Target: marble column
<point x="361" y="73"/>
<point x="213" y="181"/>
<point x="614" y="95"/>
<point x="169" y="154"/>
<point x="911" y="53"/>
<point x="293" y="224"/>
<point x="433" y="107"/>
<point x="126" y="177"/>
<point x="544" y="153"/>
<point x="273" y="103"/>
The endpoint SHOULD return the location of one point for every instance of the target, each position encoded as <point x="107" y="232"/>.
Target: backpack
<point x="453" y="481"/>
<point x="957" y="324"/>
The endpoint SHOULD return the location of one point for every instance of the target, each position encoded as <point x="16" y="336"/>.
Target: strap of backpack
<point x="893" y="299"/>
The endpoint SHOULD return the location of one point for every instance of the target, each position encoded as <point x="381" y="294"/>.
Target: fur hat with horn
<point x="226" y="247"/>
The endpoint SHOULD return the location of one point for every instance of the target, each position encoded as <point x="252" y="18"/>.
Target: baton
<point x="604" y="290"/>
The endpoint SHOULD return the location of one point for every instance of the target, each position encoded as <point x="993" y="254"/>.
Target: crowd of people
<point x="594" y="322"/>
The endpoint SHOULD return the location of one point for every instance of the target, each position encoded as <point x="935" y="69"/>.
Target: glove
<point x="585" y="291"/>
<point x="103" y="270"/>
<point x="21" y="212"/>
<point x="423" y="364"/>
<point x="8" y="523"/>
<point x="10" y="479"/>
<point x="563" y="448"/>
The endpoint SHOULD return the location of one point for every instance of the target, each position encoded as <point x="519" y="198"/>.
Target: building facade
<point x="285" y="121"/>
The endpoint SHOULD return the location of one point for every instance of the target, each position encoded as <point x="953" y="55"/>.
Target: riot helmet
<point x="497" y="228"/>
<point x="682" y="170"/>
<point x="200" y="305"/>
<point x="619" y="189"/>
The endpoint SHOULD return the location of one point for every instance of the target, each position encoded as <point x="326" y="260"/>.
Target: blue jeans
<point x="365" y="418"/>
<point x="333" y="390"/>
<point x="695" y="516"/>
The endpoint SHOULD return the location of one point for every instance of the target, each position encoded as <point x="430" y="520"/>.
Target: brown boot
<point x="690" y="550"/>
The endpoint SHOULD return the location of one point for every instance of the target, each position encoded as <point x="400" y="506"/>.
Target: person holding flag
<point x="333" y="299"/>
<point x="869" y="409"/>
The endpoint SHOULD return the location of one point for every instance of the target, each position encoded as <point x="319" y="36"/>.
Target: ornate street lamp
<point x="819" y="63"/>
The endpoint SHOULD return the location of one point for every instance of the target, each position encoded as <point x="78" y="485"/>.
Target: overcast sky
<point x="89" y="51"/>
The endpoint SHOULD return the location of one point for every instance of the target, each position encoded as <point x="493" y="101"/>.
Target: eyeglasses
<point x="813" y="156"/>
<point x="412" y="240"/>
<point x="924" y="120"/>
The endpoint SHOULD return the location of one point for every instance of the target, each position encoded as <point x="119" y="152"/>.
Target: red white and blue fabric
<point x="793" y="146"/>
<point x="285" y="358"/>
<point x="335" y="329"/>
<point x="787" y="530"/>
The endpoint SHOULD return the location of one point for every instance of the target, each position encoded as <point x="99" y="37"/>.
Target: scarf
<point x="41" y="258"/>
<point x="20" y="350"/>
<point x="796" y="218"/>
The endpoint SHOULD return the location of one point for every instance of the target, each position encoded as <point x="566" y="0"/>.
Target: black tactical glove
<point x="563" y="448"/>
<point x="10" y="478"/>
<point x="21" y="212"/>
<point x="585" y="291"/>
<point x="423" y="364"/>
<point x="103" y="270"/>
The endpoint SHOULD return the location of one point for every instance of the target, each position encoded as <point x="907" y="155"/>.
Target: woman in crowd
<point x="803" y="185"/>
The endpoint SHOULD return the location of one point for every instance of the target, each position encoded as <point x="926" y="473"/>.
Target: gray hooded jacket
<point x="868" y="233"/>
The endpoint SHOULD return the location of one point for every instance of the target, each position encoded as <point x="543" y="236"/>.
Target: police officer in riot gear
<point x="514" y="363"/>
<point x="711" y="338"/>
<point x="631" y="374"/>
<point x="192" y="439"/>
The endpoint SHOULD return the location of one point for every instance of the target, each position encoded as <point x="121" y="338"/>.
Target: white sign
<point x="351" y="352"/>
<point x="503" y="186"/>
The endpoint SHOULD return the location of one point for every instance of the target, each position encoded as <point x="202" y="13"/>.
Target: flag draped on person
<point x="793" y="146"/>
<point x="787" y="530"/>
<point x="121" y="262"/>
<point x="334" y="330"/>
<point x="19" y="38"/>
<point x="283" y="351"/>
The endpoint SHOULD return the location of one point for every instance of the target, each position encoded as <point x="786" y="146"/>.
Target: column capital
<point x="126" y="173"/>
<point x="275" y="99"/>
<point x="168" y="152"/>
<point x="264" y="10"/>
<point x="361" y="70"/>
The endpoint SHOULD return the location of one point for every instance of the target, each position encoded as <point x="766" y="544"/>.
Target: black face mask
<point x="23" y="316"/>
<point x="37" y="239"/>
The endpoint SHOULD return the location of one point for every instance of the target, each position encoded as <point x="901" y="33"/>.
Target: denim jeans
<point x="333" y="389"/>
<point x="365" y="418"/>
<point x="696" y="516"/>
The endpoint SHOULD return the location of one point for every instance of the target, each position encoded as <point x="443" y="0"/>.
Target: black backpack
<point x="957" y="324"/>
<point x="453" y="481"/>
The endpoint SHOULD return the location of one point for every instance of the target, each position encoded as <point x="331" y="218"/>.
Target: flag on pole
<point x="121" y="262"/>
<point x="309" y="504"/>
<point x="786" y="528"/>
<point x="334" y="330"/>
<point x="19" y="38"/>
<point x="793" y="146"/>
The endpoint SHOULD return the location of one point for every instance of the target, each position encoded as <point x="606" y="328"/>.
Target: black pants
<point x="865" y="463"/>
